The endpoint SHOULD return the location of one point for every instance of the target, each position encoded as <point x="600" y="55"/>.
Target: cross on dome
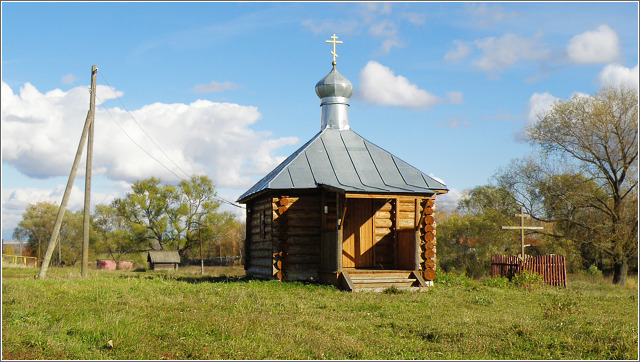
<point x="333" y="52"/>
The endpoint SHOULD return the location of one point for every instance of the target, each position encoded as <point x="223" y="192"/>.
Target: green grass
<point x="164" y="315"/>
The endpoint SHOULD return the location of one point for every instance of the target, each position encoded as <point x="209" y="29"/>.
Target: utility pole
<point x="522" y="228"/>
<point x="44" y="266"/>
<point x="86" y="228"/>
<point x="201" y="259"/>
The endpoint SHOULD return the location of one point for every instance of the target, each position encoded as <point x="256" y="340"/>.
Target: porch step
<point x="380" y="280"/>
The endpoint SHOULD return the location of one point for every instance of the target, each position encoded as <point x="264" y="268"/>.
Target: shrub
<point x="594" y="272"/>
<point x="527" y="280"/>
<point x="450" y="279"/>
<point x="497" y="282"/>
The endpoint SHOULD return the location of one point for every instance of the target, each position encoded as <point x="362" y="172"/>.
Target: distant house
<point x="163" y="259"/>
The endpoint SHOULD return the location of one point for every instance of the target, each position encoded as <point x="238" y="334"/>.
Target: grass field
<point x="155" y="315"/>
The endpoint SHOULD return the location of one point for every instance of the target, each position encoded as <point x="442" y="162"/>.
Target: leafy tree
<point x="36" y="227"/>
<point x="112" y="235"/>
<point x="172" y="217"/>
<point x="584" y="180"/>
<point x="469" y="236"/>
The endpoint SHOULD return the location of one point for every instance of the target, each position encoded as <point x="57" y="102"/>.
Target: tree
<point x="469" y="236"/>
<point x="585" y="176"/>
<point x="36" y="227"/>
<point x="112" y="235"/>
<point x="173" y="217"/>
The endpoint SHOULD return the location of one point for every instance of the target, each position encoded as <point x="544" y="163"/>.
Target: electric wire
<point x="143" y="130"/>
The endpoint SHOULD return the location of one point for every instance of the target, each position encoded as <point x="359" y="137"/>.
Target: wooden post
<point x="416" y="249"/>
<point x="65" y="198"/>
<point x="87" y="184"/>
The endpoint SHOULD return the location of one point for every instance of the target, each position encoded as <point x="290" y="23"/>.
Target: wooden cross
<point x="333" y="52"/>
<point x="522" y="228"/>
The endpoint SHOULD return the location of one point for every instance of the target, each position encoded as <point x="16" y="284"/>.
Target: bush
<point x="594" y="272"/>
<point x="497" y="282"/>
<point x="527" y="280"/>
<point x="450" y="279"/>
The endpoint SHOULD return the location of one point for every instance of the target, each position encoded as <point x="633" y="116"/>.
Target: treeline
<point x="153" y="216"/>
<point x="579" y="184"/>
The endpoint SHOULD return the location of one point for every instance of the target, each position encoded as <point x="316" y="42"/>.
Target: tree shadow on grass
<point x="192" y="279"/>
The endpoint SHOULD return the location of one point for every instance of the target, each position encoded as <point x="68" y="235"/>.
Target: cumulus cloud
<point x="538" y="104"/>
<point x="615" y="74"/>
<point x="501" y="53"/>
<point x="597" y="46"/>
<point x="449" y="201"/>
<point x="379" y="85"/>
<point x="214" y="87"/>
<point x="40" y="134"/>
<point x="461" y="51"/>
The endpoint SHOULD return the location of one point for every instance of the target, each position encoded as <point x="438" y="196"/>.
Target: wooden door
<point x="357" y="246"/>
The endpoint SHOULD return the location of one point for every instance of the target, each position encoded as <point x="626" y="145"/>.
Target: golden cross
<point x="333" y="52"/>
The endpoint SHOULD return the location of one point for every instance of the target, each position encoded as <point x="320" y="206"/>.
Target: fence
<point x="19" y="260"/>
<point x="550" y="267"/>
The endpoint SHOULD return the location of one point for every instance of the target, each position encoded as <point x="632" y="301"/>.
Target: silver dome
<point x="334" y="85"/>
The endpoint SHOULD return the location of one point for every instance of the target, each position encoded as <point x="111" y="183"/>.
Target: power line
<point x="145" y="132"/>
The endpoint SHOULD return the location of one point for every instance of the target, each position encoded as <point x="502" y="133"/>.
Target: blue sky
<point x="227" y="89"/>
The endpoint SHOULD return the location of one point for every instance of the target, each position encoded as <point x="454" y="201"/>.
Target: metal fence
<point x="19" y="260"/>
<point x="550" y="267"/>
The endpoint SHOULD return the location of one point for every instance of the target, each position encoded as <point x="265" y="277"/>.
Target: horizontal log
<point x="303" y="267"/>
<point x="387" y="206"/>
<point x="428" y="211"/>
<point x="407" y="207"/>
<point x="429" y="274"/>
<point x="429" y="245"/>
<point x="429" y="263"/>
<point x="428" y="228"/>
<point x="383" y="223"/>
<point x="304" y="223"/>
<point x="382" y="231"/>
<point x="257" y="230"/>
<point x="303" y="232"/>
<point x="383" y="215"/>
<point x="406" y="215"/>
<point x="429" y="219"/>
<point x="260" y="272"/>
<point x="304" y="240"/>
<point x="303" y="249"/>
<point x="301" y="275"/>
<point x="264" y="254"/>
<point x="263" y="262"/>
<point x="428" y="254"/>
<point x="303" y="259"/>
<point x="261" y="245"/>
<point x="428" y="237"/>
<point x="406" y="223"/>
<point x="431" y="202"/>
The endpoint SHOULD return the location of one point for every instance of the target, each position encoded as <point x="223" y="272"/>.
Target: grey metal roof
<point x="163" y="256"/>
<point x="344" y="160"/>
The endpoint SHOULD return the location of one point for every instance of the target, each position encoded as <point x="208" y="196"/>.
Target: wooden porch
<point x="376" y="280"/>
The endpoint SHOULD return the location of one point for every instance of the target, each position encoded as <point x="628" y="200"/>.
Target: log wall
<point x="427" y="231"/>
<point x="297" y="234"/>
<point x="259" y="244"/>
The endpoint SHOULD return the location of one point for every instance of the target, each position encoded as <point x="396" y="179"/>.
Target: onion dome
<point x="334" y="85"/>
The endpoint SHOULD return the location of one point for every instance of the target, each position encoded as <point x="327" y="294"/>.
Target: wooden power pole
<point x="522" y="228"/>
<point x="72" y="175"/>
<point x="86" y="228"/>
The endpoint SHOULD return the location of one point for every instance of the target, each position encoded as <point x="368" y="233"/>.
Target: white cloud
<point x="214" y="87"/>
<point x="339" y="26"/>
<point x="40" y="134"/>
<point x="504" y="52"/>
<point x="538" y="104"/>
<point x="461" y="51"/>
<point x="379" y="85"/>
<point x="615" y="74"/>
<point x="415" y="18"/>
<point x="449" y="201"/>
<point x="597" y="46"/>
<point x="485" y="15"/>
<point x="68" y="79"/>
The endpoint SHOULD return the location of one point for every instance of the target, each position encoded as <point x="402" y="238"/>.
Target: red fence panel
<point x="551" y="267"/>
